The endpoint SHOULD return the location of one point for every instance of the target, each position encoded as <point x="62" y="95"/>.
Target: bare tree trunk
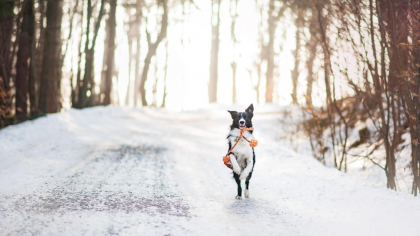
<point x="233" y="64"/>
<point x="76" y="90"/>
<point x="22" y="63"/>
<point x="38" y="57"/>
<point x="165" y="93"/>
<point x="6" y="31"/>
<point x="75" y="10"/>
<point x="82" y="97"/>
<point x="18" y="22"/>
<point x="137" y="74"/>
<point x="88" y="78"/>
<point x="152" y="50"/>
<point x="32" y="82"/>
<point x="130" y="60"/>
<point x="111" y="49"/>
<point x="49" y="97"/>
<point x="269" y="48"/>
<point x="104" y="59"/>
<point x="133" y="34"/>
<point x="325" y="48"/>
<point x="404" y="78"/>
<point x="214" y="56"/>
<point x="258" y="63"/>
<point x="155" y="84"/>
<point x="414" y="122"/>
<point x="272" y="25"/>
<point x="311" y="47"/>
<point x="398" y="61"/>
<point x="131" y="29"/>
<point x="330" y="98"/>
<point x="295" y="72"/>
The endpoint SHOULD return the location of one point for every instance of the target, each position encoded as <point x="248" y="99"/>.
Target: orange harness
<point x="253" y="143"/>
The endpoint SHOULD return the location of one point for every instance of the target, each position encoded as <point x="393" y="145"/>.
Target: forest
<point x="351" y="67"/>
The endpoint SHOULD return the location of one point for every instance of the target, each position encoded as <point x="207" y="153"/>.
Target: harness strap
<point x="241" y="135"/>
<point x="226" y="159"/>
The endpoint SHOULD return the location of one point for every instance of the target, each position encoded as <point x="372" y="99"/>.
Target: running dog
<point x="242" y="157"/>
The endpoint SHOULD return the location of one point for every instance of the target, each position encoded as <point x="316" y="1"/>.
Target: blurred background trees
<point x="352" y="67"/>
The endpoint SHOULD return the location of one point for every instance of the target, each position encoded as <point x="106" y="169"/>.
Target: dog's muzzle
<point x="241" y="123"/>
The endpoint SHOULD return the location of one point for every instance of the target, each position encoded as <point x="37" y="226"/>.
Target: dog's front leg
<point x="235" y="165"/>
<point x="247" y="170"/>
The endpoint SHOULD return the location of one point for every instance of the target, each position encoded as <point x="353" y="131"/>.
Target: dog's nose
<point x="241" y="122"/>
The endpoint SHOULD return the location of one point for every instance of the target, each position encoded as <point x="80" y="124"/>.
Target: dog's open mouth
<point x="241" y="126"/>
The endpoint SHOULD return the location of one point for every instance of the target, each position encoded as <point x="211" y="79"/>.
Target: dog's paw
<point x="238" y="197"/>
<point x="237" y="170"/>
<point x="246" y="193"/>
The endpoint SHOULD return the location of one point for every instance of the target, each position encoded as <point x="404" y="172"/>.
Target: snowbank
<point x="111" y="170"/>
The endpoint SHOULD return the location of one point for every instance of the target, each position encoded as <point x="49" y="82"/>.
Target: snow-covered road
<point x="122" y="171"/>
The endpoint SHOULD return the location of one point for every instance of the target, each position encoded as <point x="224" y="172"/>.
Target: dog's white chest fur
<point x="242" y="151"/>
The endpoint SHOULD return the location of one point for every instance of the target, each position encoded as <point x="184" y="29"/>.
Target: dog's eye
<point x="245" y="117"/>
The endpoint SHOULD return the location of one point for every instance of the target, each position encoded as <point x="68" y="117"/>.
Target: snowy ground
<point x="121" y="171"/>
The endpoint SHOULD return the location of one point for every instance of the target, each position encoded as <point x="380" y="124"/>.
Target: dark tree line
<point x="6" y="31"/>
<point x="34" y="46"/>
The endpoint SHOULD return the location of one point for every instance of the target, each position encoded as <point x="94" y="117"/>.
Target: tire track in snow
<point x="125" y="180"/>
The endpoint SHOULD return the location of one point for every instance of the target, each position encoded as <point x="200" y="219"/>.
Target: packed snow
<point x="131" y="171"/>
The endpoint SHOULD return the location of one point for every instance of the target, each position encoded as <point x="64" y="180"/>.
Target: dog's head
<point x="242" y="119"/>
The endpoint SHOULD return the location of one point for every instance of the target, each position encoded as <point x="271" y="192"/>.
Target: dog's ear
<point x="250" y="109"/>
<point x="234" y="114"/>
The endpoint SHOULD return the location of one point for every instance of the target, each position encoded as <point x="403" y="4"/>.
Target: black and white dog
<point x="242" y="157"/>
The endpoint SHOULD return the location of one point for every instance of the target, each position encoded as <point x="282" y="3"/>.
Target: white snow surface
<point x="129" y="171"/>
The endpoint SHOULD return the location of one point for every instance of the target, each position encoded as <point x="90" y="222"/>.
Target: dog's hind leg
<point x="246" y="193"/>
<point x="238" y="182"/>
